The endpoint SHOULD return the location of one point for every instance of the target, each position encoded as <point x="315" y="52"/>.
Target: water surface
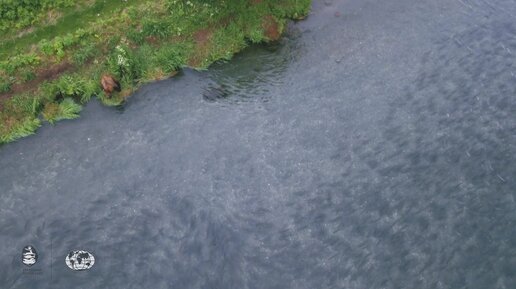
<point x="374" y="147"/>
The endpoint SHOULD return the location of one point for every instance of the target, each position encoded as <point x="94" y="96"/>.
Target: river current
<point x="373" y="147"/>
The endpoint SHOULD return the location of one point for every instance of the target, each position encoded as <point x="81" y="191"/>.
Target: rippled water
<point x="374" y="147"/>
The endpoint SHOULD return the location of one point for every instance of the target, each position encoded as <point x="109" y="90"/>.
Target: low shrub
<point x="72" y="86"/>
<point x="297" y="9"/>
<point x="60" y="44"/>
<point x="50" y="112"/>
<point x="126" y="65"/>
<point x="27" y="75"/>
<point x="226" y="42"/>
<point x="156" y="28"/>
<point x="86" y="52"/>
<point x="5" y="85"/>
<point x="12" y="129"/>
<point x="22" y="104"/>
<point x="66" y="109"/>
<point x="18" y="117"/>
<point x="171" y="57"/>
<point x="22" y="13"/>
<point x="135" y="36"/>
<point x="13" y="63"/>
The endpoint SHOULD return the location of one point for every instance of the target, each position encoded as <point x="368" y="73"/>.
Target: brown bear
<point x="109" y="84"/>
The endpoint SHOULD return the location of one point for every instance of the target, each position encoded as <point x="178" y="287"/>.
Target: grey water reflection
<point x="374" y="147"/>
<point x="250" y="75"/>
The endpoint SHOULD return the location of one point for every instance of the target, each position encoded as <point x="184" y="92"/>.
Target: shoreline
<point x="142" y="43"/>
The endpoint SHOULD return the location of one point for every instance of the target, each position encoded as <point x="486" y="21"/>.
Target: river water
<point x="374" y="147"/>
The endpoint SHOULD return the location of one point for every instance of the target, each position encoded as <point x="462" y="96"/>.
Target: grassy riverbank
<point x="52" y="56"/>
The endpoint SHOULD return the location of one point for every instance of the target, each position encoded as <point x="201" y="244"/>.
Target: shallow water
<point x="374" y="147"/>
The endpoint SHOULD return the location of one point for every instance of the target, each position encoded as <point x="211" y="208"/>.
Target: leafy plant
<point x="13" y="63"/>
<point x="28" y="76"/>
<point x="59" y="44"/>
<point x="67" y="109"/>
<point x="135" y="36"/>
<point x="156" y="28"/>
<point x="126" y="64"/>
<point x="22" y="13"/>
<point x="84" y="53"/>
<point x="50" y="112"/>
<point x="22" y="104"/>
<point x="171" y="58"/>
<point x="70" y="86"/>
<point x="5" y="85"/>
<point x="13" y="129"/>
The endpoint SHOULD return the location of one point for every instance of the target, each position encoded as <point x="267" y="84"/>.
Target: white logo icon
<point x="79" y="260"/>
<point x="29" y="255"/>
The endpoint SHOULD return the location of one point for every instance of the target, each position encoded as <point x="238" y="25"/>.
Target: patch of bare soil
<point x="202" y="40"/>
<point x="43" y="74"/>
<point x="271" y="28"/>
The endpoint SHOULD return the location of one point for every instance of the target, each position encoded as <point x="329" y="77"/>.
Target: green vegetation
<point x="67" y="109"/>
<point x="22" y="13"/>
<point x="53" y="53"/>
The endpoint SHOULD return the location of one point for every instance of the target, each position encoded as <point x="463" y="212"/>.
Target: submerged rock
<point x="79" y="260"/>
<point x="214" y="93"/>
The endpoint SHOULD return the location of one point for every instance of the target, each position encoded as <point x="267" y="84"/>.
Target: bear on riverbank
<point x="109" y="84"/>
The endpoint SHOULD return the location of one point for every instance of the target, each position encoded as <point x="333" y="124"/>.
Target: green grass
<point x="67" y="109"/>
<point x="18" y="14"/>
<point x="73" y="19"/>
<point x="56" y="68"/>
<point x="24" y="127"/>
<point x="19" y="117"/>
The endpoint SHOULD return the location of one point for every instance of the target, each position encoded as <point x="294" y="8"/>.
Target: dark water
<point x="375" y="147"/>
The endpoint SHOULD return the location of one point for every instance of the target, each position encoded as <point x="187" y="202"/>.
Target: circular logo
<point x="79" y="260"/>
<point x="29" y="255"/>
